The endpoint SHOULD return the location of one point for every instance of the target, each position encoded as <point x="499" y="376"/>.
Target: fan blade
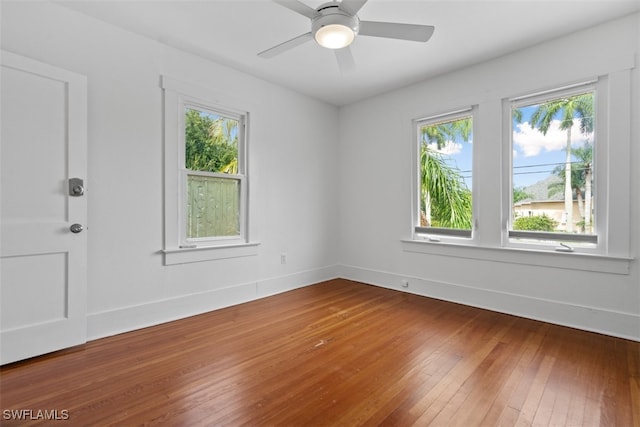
<point x="297" y="7"/>
<point x="345" y="60"/>
<point x="351" y="6"/>
<point x="283" y="47"/>
<point x="418" y="33"/>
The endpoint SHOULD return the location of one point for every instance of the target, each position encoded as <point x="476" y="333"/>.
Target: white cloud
<point x="450" y="148"/>
<point x="531" y="141"/>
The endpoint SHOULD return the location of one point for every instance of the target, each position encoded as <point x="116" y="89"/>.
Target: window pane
<point x="213" y="207"/>
<point x="552" y="174"/>
<point x="213" y="202"/>
<point x="211" y="142"/>
<point x="445" y="174"/>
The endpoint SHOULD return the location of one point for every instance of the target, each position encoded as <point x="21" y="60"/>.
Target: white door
<point x="43" y="264"/>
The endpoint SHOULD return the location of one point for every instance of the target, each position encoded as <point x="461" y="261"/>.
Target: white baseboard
<point x="608" y="322"/>
<point x="126" y="319"/>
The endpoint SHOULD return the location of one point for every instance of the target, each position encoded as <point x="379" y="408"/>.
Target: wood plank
<point x="336" y="353"/>
<point x="501" y="413"/>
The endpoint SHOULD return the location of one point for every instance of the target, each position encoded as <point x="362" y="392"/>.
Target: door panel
<point x="40" y="129"/>
<point x="42" y="264"/>
<point x="47" y="303"/>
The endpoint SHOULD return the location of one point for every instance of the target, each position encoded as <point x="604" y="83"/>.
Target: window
<point x="213" y="177"/>
<point x="445" y="165"/>
<point x="553" y="173"/>
<point x="206" y="183"/>
<point x="517" y="182"/>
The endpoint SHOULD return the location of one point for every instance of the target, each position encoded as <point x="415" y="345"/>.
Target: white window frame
<point x="189" y="102"/>
<point x="435" y="234"/>
<point x="559" y="242"/>
<point x="613" y="169"/>
<point x="178" y="249"/>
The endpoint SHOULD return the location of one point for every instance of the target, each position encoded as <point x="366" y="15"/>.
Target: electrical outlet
<point x="283" y="258"/>
<point x="405" y="283"/>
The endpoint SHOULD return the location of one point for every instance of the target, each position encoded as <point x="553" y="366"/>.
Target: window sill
<point x="209" y="253"/>
<point x="570" y="261"/>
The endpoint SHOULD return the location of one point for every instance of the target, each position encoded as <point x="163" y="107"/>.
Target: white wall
<point x="352" y="217"/>
<point x="292" y="143"/>
<point x="375" y="153"/>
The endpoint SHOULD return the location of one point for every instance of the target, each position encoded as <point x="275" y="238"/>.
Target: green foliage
<point x="519" y="194"/>
<point x="213" y="205"/>
<point x="580" y="170"/>
<point x="453" y="216"/>
<point x="450" y="199"/>
<point x="211" y="143"/>
<point x="517" y="115"/>
<point x="568" y="109"/>
<point x="440" y="133"/>
<point x="535" y="223"/>
<point x="442" y="186"/>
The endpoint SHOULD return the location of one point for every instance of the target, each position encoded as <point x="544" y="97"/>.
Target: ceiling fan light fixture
<point x="334" y="36"/>
<point x="334" y="28"/>
<point x="335" y="25"/>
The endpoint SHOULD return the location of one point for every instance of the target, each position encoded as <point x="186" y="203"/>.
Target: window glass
<point x="445" y="175"/>
<point x="211" y="142"/>
<point x="213" y="186"/>
<point x="553" y="170"/>
<point x="213" y="206"/>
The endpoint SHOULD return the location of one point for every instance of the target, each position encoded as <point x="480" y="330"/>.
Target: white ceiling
<point x="467" y="32"/>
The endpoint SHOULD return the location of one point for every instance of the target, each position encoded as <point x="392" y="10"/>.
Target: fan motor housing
<point x="331" y="14"/>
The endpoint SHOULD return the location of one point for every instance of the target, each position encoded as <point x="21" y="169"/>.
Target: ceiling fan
<point x="335" y="25"/>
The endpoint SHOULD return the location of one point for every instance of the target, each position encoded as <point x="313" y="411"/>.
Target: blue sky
<point x="213" y="116"/>
<point x="530" y="148"/>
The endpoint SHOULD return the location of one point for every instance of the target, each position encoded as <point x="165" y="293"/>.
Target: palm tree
<point x="224" y="132"/>
<point x="211" y="142"/>
<point x="581" y="178"/>
<point x="568" y="109"/>
<point x="445" y="198"/>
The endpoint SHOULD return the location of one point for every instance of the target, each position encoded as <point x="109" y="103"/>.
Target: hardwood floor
<point x="338" y="353"/>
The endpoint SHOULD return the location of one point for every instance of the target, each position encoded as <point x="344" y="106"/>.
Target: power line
<point x="548" y="164"/>
<point x="543" y="171"/>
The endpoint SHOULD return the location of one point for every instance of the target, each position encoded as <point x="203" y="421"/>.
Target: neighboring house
<point x="552" y="208"/>
<point x="541" y="202"/>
